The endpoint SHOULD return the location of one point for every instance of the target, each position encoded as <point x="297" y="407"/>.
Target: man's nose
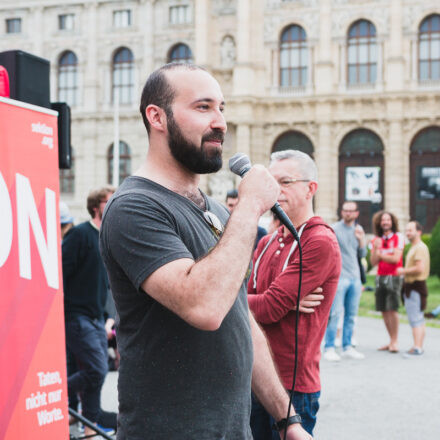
<point x="219" y="121"/>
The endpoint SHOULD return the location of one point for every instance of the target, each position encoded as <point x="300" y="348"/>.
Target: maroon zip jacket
<point x="273" y="298"/>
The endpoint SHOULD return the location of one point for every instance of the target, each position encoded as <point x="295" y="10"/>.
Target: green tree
<point x="434" y="250"/>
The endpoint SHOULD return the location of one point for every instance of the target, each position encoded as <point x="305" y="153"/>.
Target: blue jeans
<point x="346" y="301"/>
<point x="86" y="343"/>
<point x="305" y="404"/>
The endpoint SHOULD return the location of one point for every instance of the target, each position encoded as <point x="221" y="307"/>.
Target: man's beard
<point x="194" y="158"/>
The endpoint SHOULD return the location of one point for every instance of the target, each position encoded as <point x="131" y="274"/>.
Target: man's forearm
<point x="217" y="277"/>
<point x="375" y="257"/>
<point x="393" y="258"/>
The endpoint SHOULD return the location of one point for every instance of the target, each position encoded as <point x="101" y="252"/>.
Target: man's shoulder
<point x="317" y="228"/>
<point x="336" y="225"/>
<point x="319" y="233"/>
<point x="421" y="247"/>
<point x="137" y="192"/>
<point x="83" y="228"/>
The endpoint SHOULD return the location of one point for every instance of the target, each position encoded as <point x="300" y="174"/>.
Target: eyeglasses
<point x="285" y="183"/>
<point x="214" y="223"/>
<point x="350" y="210"/>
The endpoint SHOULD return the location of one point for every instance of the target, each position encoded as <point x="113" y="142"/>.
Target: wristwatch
<point x="284" y="423"/>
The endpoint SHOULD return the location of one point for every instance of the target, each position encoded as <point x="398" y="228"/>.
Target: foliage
<point x="434" y="250"/>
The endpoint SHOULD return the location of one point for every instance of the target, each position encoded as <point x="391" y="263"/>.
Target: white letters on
<point x="5" y="222"/>
<point x="27" y="215"/>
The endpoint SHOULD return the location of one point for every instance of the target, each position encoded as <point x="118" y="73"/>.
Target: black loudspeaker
<point x="28" y="77"/>
<point x="64" y="148"/>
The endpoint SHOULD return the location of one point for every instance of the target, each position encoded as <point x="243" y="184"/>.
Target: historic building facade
<point x="354" y="83"/>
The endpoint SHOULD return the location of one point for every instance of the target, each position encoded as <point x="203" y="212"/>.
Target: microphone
<point x="240" y="164"/>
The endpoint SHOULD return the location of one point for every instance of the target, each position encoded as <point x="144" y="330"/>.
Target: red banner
<point x="33" y="389"/>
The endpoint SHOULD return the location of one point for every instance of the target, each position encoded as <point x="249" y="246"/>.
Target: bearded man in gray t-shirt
<point x="189" y="347"/>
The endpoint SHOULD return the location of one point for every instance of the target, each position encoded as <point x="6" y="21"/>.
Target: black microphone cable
<point x="240" y="164"/>
<point x="292" y="229"/>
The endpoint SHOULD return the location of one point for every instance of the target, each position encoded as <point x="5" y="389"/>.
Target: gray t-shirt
<point x="350" y="250"/>
<point x="175" y="381"/>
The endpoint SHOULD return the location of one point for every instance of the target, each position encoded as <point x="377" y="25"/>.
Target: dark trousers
<point x="86" y="344"/>
<point x="305" y="404"/>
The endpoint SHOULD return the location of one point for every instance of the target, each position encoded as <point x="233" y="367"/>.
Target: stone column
<point x="310" y="65"/>
<point x="396" y="163"/>
<point x="395" y="61"/>
<point x="243" y="143"/>
<point x="91" y="71"/>
<point x="324" y="63"/>
<point x="343" y="64"/>
<point x="275" y="66"/>
<point x="243" y="73"/>
<point x="38" y="31"/>
<point x="147" y="21"/>
<point x="326" y="158"/>
<point x="201" y="21"/>
<point x="414" y="59"/>
<point x="379" y="77"/>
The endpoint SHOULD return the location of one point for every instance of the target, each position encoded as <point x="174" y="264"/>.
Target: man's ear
<point x="313" y="187"/>
<point x="156" y="117"/>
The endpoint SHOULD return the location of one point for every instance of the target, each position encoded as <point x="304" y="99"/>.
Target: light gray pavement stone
<point x="383" y="397"/>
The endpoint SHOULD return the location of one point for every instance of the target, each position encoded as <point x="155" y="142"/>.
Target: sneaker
<point x="352" y="353"/>
<point x="331" y="355"/>
<point x="415" y="351"/>
<point x="108" y="431"/>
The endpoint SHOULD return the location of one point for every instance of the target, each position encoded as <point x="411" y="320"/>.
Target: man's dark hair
<point x="97" y="196"/>
<point x="377" y="219"/>
<point x="350" y="201"/>
<point x="158" y="90"/>
<point x="418" y="226"/>
<point x="232" y="194"/>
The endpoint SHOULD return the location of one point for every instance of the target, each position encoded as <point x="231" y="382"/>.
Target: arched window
<point x="361" y="141"/>
<point x="180" y="53"/>
<point x="68" y="78"/>
<point x="362" y="53"/>
<point x="67" y="177"/>
<point x="124" y="162"/>
<point x="429" y="48"/>
<point x="123" y="75"/>
<point x="293" y="140"/>
<point x="293" y="57"/>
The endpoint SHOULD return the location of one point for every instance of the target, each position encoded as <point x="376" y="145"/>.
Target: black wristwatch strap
<point x="284" y="423"/>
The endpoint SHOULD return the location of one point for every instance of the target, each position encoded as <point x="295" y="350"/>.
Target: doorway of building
<point x="425" y="177"/>
<point x="361" y="173"/>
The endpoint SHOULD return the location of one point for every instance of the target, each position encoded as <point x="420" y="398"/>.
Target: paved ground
<point x="383" y="397"/>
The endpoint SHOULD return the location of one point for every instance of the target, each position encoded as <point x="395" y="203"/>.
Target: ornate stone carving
<point x="227" y="52"/>
<point x="274" y="23"/>
<point x="341" y="20"/>
<point x="278" y="3"/>
<point x="225" y="7"/>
